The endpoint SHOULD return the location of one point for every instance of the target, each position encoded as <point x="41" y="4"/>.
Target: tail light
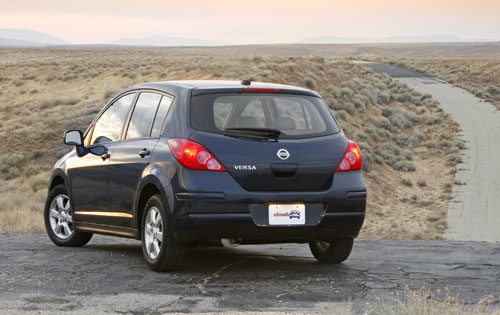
<point x="193" y="155"/>
<point x="351" y="160"/>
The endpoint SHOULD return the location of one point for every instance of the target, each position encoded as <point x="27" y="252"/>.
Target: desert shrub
<point x="367" y="155"/>
<point x="422" y="183"/>
<point x="350" y="108"/>
<point x="385" y="123"/>
<point x="12" y="173"/>
<point x="391" y="147"/>
<point x="426" y="96"/>
<point x="8" y="187"/>
<point x="404" y="140"/>
<point x="493" y="90"/>
<point x="460" y="145"/>
<point x="310" y="81"/>
<point x="346" y="93"/>
<point x="38" y="182"/>
<point x="359" y="103"/>
<point x="342" y="114"/>
<point x="425" y="203"/>
<point x="383" y="98"/>
<point x="407" y="182"/>
<point x="407" y="154"/>
<point x="334" y="91"/>
<point x="18" y="83"/>
<point x="404" y="166"/>
<point x="8" y="161"/>
<point x="433" y="120"/>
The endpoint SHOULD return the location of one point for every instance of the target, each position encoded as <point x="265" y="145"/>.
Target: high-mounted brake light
<point x="193" y="155"/>
<point x="262" y="90"/>
<point x="351" y="160"/>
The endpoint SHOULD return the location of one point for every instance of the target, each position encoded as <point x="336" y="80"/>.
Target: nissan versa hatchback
<point x="180" y="163"/>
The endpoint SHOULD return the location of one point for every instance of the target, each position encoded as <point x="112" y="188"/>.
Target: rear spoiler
<point x="203" y="91"/>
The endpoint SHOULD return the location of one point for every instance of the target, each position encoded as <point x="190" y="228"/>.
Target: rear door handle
<point x="144" y="152"/>
<point x="105" y="156"/>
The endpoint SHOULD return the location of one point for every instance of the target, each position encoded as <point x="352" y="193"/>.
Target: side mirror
<point x="98" y="150"/>
<point x="73" y="137"/>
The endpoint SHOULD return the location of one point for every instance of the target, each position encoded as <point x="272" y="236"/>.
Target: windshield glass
<point x="295" y="116"/>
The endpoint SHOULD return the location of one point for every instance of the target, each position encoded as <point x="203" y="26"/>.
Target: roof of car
<point x="219" y="86"/>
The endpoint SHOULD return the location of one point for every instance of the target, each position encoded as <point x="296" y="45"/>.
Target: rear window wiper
<point x="253" y="133"/>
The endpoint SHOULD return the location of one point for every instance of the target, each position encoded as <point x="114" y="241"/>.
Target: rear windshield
<point x="296" y="116"/>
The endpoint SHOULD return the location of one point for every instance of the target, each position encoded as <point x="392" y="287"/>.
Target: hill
<point x="409" y="145"/>
<point x="22" y="37"/>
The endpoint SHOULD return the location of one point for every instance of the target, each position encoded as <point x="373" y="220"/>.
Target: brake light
<point x="262" y="90"/>
<point x="193" y="155"/>
<point x="351" y="160"/>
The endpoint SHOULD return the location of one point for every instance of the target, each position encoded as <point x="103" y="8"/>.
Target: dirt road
<point x="474" y="212"/>
<point x="109" y="275"/>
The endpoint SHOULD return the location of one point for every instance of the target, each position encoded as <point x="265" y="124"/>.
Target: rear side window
<point x="161" y="114"/>
<point x="295" y="116"/>
<point x="109" y="126"/>
<point x="143" y="115"/>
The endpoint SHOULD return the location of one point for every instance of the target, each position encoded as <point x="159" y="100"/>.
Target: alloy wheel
<point x="60" y="218"/>
<point x="153" y="232"/>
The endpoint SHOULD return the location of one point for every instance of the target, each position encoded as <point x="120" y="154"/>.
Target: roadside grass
<point x="428" y="302"/>
<point x="403" y="135"/>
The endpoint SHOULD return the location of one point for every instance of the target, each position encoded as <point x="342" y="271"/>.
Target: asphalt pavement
<point x="109" y="276"/>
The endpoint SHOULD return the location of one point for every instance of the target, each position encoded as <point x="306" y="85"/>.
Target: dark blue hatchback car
<point x="188" y="162"/>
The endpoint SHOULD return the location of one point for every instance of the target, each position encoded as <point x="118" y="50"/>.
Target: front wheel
<point x="161" y="251"/>
<point x="332" y="252"/>
<point x="58" y="217"/>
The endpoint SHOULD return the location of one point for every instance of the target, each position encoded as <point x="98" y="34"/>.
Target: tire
<point x="332" y="252"/>
<point x="58" y="217"/>
<point x="161" y="251"/>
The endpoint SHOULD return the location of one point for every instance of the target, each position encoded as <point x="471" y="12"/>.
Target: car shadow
<point x="203" y="259"/>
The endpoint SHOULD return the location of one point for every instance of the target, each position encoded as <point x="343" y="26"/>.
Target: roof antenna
<point x="246" y="82"/>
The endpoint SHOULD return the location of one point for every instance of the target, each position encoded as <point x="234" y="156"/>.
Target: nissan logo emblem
<point x="283" y="154"/>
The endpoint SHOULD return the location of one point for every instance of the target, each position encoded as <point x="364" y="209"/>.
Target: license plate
<point x="280" y="214"/>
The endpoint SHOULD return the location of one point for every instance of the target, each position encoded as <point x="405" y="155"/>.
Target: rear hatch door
<point x="302" y="155"/>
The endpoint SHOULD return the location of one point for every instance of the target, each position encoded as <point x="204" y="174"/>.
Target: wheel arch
<point x="150" y="186"/>
<point x="57" y="178"/>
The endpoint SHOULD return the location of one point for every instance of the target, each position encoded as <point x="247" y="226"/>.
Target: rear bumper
<point x="241" y="226"/>
<point x="228" y="211"/>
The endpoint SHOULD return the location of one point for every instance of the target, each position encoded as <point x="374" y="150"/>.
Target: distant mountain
<point x="21" y="37"/>
<point x="392" y="39"/>
<point x="167" y="41"/>
<point x="420" y="39"/>
<point x="334" y="40"/>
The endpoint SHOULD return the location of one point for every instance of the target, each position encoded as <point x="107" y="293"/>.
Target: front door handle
<point x="105" y="156"/>
<point x="144" y="152"/>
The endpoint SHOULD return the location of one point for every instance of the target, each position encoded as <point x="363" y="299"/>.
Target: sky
<point x="252" y="21"/>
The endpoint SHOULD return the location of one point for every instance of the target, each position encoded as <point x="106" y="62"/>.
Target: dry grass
<point x="427" y="302"/>
<point x="404" y="136"/>
<point x="479" y="77"/>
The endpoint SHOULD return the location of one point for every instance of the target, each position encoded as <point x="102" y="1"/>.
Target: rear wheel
<point x="58" y="216"/>
<point x="332" y="252"/>
<point x="161" y="251"/>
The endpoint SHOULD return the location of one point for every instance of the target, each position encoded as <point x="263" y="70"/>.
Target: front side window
<point x="109" y="126"/>
<point x="143" y="115"/>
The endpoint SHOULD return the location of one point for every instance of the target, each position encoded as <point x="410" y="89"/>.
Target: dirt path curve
<point x="474" y="211"/>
